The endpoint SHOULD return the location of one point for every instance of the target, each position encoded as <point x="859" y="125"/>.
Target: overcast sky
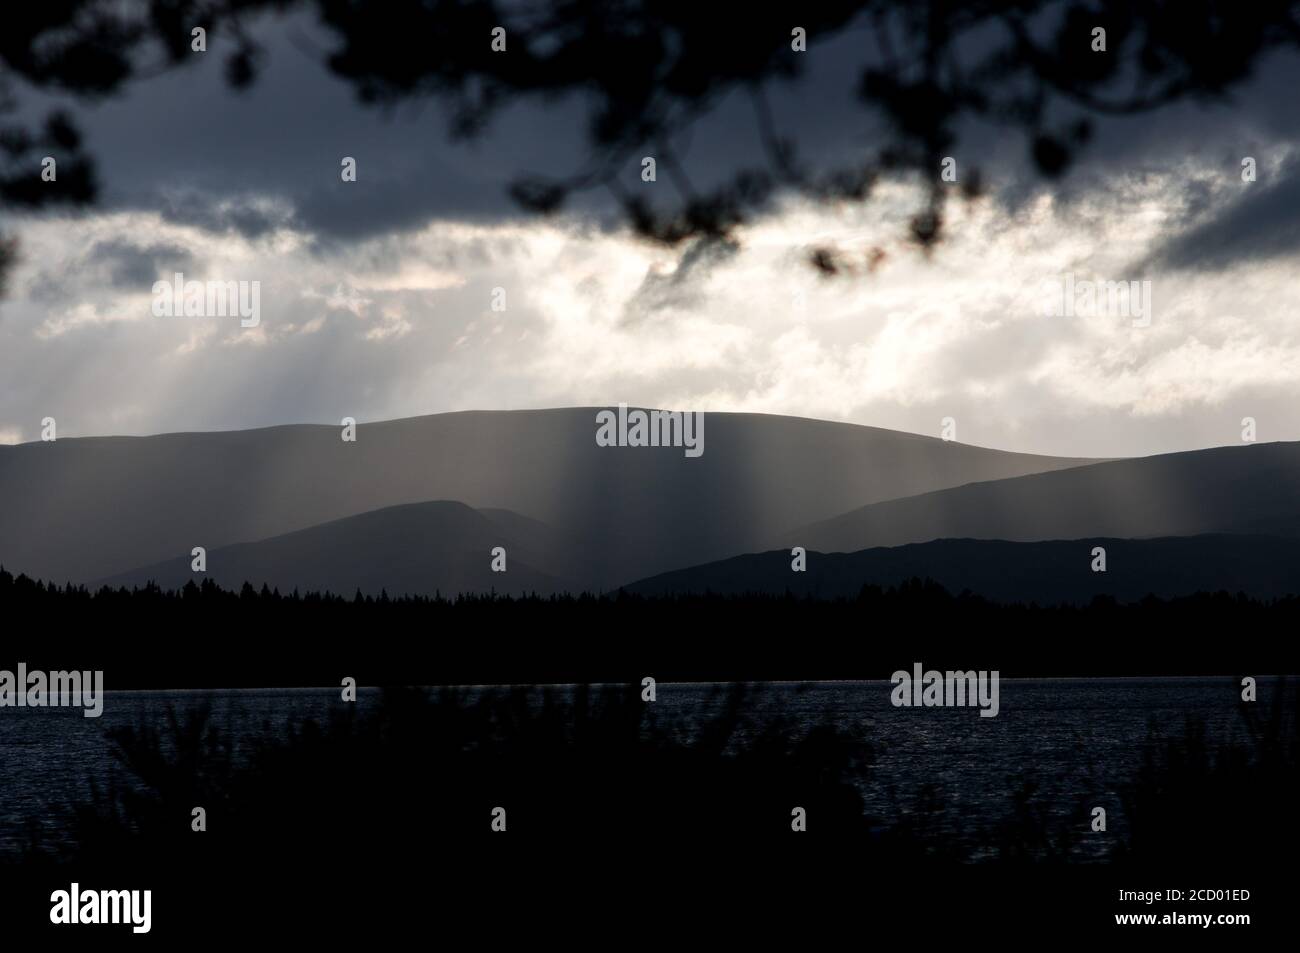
<point x="376" y="296"/>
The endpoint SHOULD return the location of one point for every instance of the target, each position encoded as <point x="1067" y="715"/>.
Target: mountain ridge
<point x="1046" y="572"/>
<point x="440" y="546"/>
<point x="94" y="507"/>
<point x="1234" y="490"/>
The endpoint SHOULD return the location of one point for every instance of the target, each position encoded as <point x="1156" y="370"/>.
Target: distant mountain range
<point x="1058" y="571"/>
<point x="418" y="505"/>
<point x="1246" y="489"/>
<point x="90" y="508"/>
<point x="414" y="549"/>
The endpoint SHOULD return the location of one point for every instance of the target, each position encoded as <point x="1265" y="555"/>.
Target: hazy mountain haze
<point x="413" y="549"/>
<point x="99" y="506"/>
<point x="1252" y="488"/>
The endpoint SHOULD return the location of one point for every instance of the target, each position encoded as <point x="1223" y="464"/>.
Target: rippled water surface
<point x="1074" y="740"/>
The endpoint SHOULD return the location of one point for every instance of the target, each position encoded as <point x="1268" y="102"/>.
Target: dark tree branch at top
<point x="650" y="69"/>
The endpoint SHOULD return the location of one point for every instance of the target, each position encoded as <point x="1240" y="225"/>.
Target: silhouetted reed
<point x="1200" y="802"/>
<point x="420" y="771"/>
<point x="416" y="773"/>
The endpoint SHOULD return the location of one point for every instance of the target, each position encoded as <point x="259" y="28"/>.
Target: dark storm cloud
<point x="115" y="264"/>
<point x="188" y="147"/>
<point x="215" y="214"/>
<point x="373" y="206"/>
<point x="133" y="267"/>
<point x="683" y="287"/>
<point x="1263" y="224"/>
<point x="1255" y="118"/>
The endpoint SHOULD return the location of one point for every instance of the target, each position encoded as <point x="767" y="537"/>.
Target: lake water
<point x="1078" y="740"/>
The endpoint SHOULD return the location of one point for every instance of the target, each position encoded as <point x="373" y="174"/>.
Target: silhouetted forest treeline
<point x="204" y="636"/>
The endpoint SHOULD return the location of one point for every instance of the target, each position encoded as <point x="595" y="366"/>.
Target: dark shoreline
<point x="206" y="637"/>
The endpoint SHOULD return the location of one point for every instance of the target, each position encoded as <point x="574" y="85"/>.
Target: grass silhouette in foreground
<point x="419" y="773"/>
